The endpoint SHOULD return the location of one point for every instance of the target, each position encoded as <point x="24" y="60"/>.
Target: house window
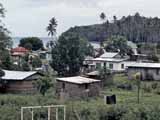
<point x="86" y="86"/>
<point x="157" y="71"/>
<point x="98" y="65"/>
<point x="63" y="86"/>
<point x="111" y="66"/>
<point x="122" y="66"/>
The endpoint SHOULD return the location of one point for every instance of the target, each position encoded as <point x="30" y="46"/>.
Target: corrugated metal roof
<point x="19" y="49"/>
<point x="109" y="55"/>
<point x="93" y="73"/>
<point x="95" y="45"/>
<point x="145" y="65"/>
<point x="109" y="59"/>
<point x="78" y="80"/>
<point x="132" y="45"/>
<point x="17" y="75"/>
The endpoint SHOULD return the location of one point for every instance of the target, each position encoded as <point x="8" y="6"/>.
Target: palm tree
<point x="51" y="28"/>
<point x="102" y="16"/>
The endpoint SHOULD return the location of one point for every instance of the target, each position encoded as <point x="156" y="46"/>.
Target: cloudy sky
<point x="30" y="17"/>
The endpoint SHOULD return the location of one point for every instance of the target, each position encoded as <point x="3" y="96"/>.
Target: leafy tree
<point x="6" y="61"/>
<point x="2" y="82"/>
<point x="1" y="73"/>
<point x="5" y="42"/>
<point x="118" y="44"/>
<point x="25" y="66"/>
<point x="69" y="53"/>
<point x="44" y="84"/>
<point x="153" y="58"/>
<point x="32" y="43"/>
<point x="106" y="76"/>
<point x="36" y="62"/>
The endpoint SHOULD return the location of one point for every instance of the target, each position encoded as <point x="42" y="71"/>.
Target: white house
<point x="112" y="61"/>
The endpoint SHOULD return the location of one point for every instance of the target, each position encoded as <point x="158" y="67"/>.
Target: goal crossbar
<point x="49" y="110"/>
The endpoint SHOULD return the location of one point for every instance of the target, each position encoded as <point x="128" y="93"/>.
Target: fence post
<point x="21" y="113"/>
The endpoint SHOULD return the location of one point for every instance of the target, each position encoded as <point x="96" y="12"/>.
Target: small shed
<point x="149" y="71"/>
<point x="20" y="81"/>
<point x="77" y="87"/>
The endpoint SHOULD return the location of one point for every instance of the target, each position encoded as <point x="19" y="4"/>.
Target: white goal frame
<point x="49" y="111"/>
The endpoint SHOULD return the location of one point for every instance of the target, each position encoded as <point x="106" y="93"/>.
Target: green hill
<point x="135" y="28"/>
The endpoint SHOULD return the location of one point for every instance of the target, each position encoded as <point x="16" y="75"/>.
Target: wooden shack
<point x="20" y="81"/>
<point x="77" y="87"/>
<point x="149" y="71"/>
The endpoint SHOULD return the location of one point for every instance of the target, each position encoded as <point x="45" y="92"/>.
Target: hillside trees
<point x="69" y="53"/>
<point x="135" y="28"/>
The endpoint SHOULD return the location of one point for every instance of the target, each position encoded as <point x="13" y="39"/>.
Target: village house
<point x="19" y="81"/>
<point x="149" y="71"/>
<point x="77" y="87"/>
<point x="18" y="52"/>
<point x="111" y="60"/>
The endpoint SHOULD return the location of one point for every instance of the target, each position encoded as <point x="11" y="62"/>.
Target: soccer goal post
<point x="56" y="107"/>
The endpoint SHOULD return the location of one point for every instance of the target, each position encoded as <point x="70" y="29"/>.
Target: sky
<point x="30" y="17"/>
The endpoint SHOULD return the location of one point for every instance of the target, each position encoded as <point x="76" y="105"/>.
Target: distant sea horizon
<point x="45" y="40"/>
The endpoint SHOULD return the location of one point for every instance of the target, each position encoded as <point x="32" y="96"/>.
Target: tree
<point x="118" y="44"/>
<point x="137" y="77"/>
<point x="106" y="76"/>
<point x="33" y="43"/>
<point x="5" y="42"/>
<point x="36" y="62"/>
<point x="6" y="61"/>
<point x="2" y="82"/>
<point x="69" y="53"/>
<point x="114" y="18"/>
<point x="153" y="58"/>
<point x="51" y="29"/>
<point x="24" y="66"/>
<point x="102" y="16"/>
<point x="44" y="84"/>
<point x="1" y="73"/>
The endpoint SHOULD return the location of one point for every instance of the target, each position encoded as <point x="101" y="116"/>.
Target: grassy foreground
<point x="93" y="108"/>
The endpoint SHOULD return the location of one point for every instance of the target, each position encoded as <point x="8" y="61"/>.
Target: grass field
<point x="10" y="104"/>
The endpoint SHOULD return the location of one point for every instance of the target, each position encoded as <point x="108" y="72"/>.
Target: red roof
<point x="19" y="49"/>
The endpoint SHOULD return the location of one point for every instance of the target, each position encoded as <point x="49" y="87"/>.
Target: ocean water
<point x="16" y="40"/>
<point x="45" y="40"/>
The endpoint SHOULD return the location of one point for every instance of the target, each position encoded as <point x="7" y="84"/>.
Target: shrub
<point x="147" y="88"/>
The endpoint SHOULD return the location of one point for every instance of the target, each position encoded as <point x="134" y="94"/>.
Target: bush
<point x="125" y="86"/>
<point x="158" y="91"/>
<point x="147" y="88"/>
<point x="44" y="84"/>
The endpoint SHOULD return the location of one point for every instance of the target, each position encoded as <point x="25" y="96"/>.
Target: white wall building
<point x="112" y="61"/>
